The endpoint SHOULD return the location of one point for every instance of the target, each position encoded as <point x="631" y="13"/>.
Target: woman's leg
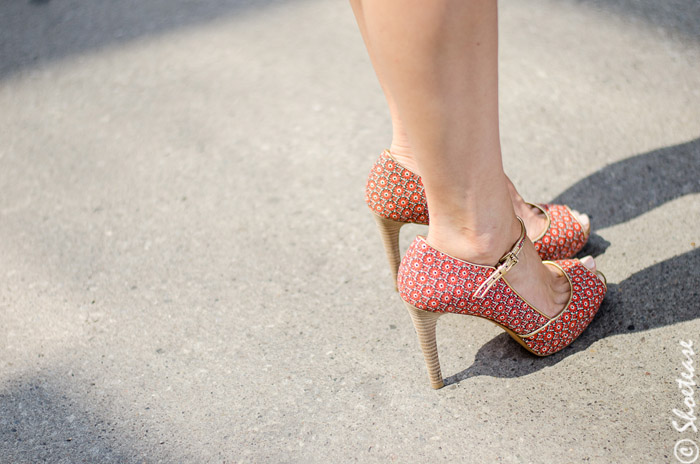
<point x="402" y="150"/>
<point x="400" y="145"/>
<point x="438" y="64"/>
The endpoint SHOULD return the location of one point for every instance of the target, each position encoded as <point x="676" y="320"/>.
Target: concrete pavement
<point x="188" y="272"/>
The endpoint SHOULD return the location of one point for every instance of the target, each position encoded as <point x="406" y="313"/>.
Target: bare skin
<point x="535" y="221"/>
<point x="438" y="68"/>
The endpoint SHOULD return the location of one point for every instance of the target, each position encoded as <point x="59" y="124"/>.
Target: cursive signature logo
<point x="686" y="450"/>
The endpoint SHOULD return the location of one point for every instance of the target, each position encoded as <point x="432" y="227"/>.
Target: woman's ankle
<point x="403" y="153"/>
<point x="484" y="244"/>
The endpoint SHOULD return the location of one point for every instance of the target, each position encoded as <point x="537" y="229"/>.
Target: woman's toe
<point x="583" y="219"/>
<point x="589" y="262"/>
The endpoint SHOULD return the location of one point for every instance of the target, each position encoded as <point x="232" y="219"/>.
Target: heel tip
<point x="438" y="386"/>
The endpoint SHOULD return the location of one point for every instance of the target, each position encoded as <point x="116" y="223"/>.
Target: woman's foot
<point x="543" y="286"/>
<point x="534" y="219"/>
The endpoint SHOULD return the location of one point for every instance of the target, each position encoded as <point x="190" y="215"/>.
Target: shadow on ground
<point x="33" y="32"/>
<point x="40" y="422"/>
<point x="675" y="16"/>
<point x="629" y="188"/>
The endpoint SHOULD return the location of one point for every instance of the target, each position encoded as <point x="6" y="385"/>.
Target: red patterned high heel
<point x="432" y="283"/>
<point x="396" y="197"/>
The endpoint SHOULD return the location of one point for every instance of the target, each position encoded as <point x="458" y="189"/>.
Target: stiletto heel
<point x="389" y="230"/>
<point x="424" y="323"/>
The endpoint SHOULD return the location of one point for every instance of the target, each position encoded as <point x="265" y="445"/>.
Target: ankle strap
<point x="505" y="264"/>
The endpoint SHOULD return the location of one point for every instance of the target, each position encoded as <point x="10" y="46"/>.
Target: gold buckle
<point x="505" y="264"/>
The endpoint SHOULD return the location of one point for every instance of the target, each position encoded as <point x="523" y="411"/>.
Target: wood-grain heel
<point x="425" y="322"/>
<point x="389" y="230"/>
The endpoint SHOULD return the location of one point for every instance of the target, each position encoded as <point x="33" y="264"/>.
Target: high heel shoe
<point x="396" y="197"/>
<point x="432" y="283"/>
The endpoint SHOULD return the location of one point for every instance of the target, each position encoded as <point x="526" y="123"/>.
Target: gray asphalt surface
<point x="188" y="272"/>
